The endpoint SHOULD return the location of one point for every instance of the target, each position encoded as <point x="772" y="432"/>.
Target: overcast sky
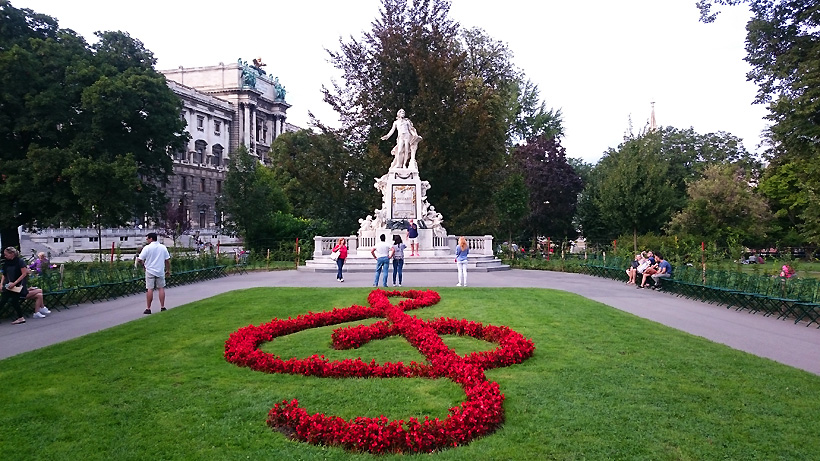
<point x="598" y="61"/>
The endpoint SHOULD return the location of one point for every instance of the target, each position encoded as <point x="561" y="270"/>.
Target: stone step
<point x="411" y="264"/>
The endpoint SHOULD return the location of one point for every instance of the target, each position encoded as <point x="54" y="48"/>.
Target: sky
<point x="600" y="62"/>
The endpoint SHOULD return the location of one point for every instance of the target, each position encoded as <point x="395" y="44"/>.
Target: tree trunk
<point x="9" y="237"/>
<point x="635" y="238"/>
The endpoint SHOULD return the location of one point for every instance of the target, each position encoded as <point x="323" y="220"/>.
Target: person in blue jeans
<point x="381" y="253"/>
<point x="398" y="258"/>
<point x="462" y="250"/>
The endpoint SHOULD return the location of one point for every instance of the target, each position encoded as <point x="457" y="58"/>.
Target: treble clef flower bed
<point x="480" y="414"/>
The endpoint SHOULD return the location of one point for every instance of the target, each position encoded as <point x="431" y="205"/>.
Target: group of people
<point x="648" y="265"/>
<point x="15" y="287"/>
<point x="384" y="252"/>
<point x="154" y="257"/>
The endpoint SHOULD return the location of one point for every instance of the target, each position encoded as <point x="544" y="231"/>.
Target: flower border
<point x="480" y="414"/>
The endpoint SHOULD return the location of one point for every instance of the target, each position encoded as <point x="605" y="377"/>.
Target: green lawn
<point x="602" y="384"/>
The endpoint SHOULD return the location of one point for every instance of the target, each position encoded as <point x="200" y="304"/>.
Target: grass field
<point x="602" y="384"/>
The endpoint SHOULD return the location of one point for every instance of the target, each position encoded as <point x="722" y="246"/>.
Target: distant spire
<point x="653" y="126"/>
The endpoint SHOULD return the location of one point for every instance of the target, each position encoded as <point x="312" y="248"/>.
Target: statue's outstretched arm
<point x="392" y="129"/>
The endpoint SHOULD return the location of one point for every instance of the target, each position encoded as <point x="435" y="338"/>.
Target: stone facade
<point x="224" y="107"/>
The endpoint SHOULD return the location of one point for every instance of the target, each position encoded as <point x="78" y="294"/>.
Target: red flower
<point x="480" y="414"/>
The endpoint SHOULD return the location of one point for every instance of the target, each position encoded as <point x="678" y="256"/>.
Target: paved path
<point x="782" y="341"/>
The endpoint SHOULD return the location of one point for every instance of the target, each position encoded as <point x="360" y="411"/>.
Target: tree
<point x="105" y="191"/>
<point x="463" y="104"/>
<point x="723" y="207"/>
<point x="511" y="202"/>
<point x="251" y="198"/>
<point x="322" y="179"/>
<point x="553" y="187"/>
<point x="783" y="48"/>
<point x="632" y="194"/>
<point x="175" y="220"/>
<point x="66" y="104"/>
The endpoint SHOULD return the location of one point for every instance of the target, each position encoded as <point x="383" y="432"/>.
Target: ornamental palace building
<point x="224" y="106"/>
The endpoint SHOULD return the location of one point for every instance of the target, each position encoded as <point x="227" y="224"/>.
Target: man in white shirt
<point x="157" y="263"/>
<point x="381" y="253"/>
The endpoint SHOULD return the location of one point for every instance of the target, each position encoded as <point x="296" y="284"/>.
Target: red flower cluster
<point x="481" y="413"/>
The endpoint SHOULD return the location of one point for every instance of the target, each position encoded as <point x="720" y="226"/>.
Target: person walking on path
<point x="398" y="258"/>
<point x="462" y="250"/>
<point x="157" y="263"/>
<point x="381" y="253"/>
<point x="341" y="247"/>
<point x="413" y="238"/>
<point x="15" y="273"/>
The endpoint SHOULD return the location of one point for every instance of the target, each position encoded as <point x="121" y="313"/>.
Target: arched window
<point x="199" y="151"/>
<point x="217" y="158"/>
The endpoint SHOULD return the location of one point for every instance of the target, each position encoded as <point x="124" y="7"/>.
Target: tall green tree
<point x="783" y="49"/>
<point x="322" y="179"/>
<point x="459" y="91"/>
<point x="723" y="207"/>
<point x="66" y="104"/>
<point x="251" y="198"/>
<point x="632" y="193"/>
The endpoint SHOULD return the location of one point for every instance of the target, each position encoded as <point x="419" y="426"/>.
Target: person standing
<point x="341" y="247"/>
<point x="15" y="273"/>
<point x="381" y="253"/>
<point x="157" y="263"/>
<point x="413" y="238"/>
<point x="462" y="250"/>
<point x="398" y="258"/>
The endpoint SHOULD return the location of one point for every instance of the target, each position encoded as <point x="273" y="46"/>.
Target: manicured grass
<point x="602" y="384"/>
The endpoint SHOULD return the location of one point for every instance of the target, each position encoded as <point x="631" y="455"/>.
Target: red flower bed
<point x="480" y="414"/>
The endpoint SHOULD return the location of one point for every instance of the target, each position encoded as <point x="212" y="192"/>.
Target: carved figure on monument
<point x="425" y="186"/>
<point x="380" y="219"/>
<point x="407" y="142"/>
<point x="366" y="224"/>
<point x="381" y="183"/>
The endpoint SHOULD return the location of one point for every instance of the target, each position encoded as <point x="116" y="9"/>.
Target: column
<point x="246" y="135"/>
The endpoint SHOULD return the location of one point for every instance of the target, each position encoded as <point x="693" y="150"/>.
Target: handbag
<point x="335" y="255"/>
<point x="15" y="289"/>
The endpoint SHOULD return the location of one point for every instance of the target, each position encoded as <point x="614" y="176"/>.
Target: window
<point x="59" y="239"/>
<point x="200" y="123"/>
<point x="123" y="239"/>
<point x="201" y="218"/>
<point x="202" y="184"/>
<point x="218" y="187"/>
<point x="217" y="151"/>
<point x="217" y="127"/>
<point x="265" y="133"/>
<point x="199" y="151"/>
<point x="93" y="239"/>
<point x="184" y="183"/>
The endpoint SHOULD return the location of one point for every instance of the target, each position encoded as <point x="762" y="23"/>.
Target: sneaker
<point x="44" y="310"/>
<point x="146" y="311"/>
<point x="162" y="309"/>
<point x="458" y="284"/>
<point x="400" y="284"/>
<point x="341" y="280"/>
<point x="38" y="315"/>
<point x="19" y="321"/>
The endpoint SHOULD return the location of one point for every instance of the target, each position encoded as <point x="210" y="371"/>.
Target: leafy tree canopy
<point x="67" y="105"/>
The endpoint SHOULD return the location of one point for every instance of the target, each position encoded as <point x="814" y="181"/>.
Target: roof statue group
<point x="251" y="71"/>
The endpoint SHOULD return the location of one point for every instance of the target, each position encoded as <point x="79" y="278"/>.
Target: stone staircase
<point x="355" y="263"/>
